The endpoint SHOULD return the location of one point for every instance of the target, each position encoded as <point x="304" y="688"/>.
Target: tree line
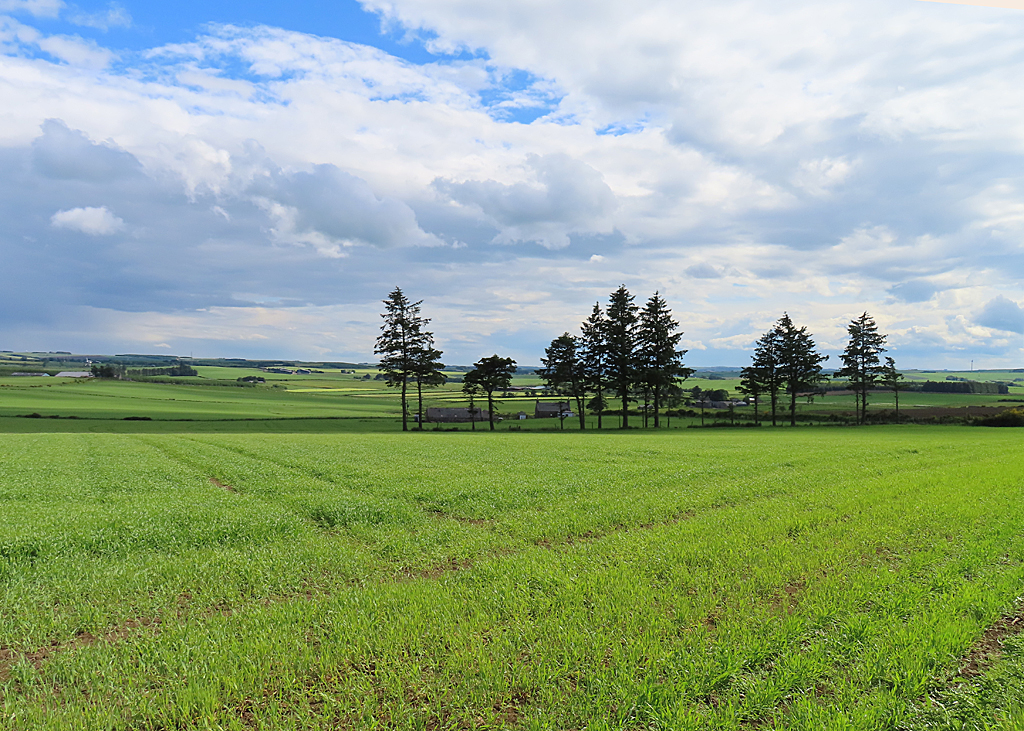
<point x="626" y="354"/>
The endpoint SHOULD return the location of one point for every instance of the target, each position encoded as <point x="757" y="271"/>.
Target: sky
<point x="251" y="179"/>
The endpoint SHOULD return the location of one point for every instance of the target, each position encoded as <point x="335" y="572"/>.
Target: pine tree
<point x="660" y="363"/>
<point x="752" y="383"/>
<point x="799" y="362"/>
<point x="621" y="339"/>
<point x="594" y="355"/>
<point x="765" y="373"/>
<point x="563" y="371"/>
<point x="401" y="340"/>
<point x="427" y="368"/>
<point x="892" y="379"/>
<point x="861" y="363"/>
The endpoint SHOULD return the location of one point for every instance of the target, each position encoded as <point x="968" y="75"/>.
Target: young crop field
<point x="353" y="400"/>
<point x="794" y="578"/>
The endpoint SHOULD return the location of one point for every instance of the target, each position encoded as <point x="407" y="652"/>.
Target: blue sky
<point x="251" y="179"/>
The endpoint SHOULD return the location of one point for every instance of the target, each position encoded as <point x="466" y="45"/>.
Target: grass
<point x="804" y="578"/>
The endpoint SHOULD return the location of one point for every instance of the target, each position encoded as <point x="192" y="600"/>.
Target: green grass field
<point x="335" y="401"/>
<point x="794" y="578"/>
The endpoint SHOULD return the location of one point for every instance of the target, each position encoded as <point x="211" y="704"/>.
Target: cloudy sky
<point x="250" y="179"/>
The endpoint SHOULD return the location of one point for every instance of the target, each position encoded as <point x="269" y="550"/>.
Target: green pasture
<point x="335" y="402"/>
<point x="727" y="579"/>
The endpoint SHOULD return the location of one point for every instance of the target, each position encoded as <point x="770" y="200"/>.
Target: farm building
<point x="551" y="410"/>
<point x="450" y="415"/>
<point x="74" y="374"/>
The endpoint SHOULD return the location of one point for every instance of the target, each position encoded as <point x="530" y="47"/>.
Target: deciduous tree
<point x="492" y="374"/>
<point x="563" y="371"/>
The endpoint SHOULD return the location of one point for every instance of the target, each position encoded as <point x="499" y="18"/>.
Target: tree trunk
<point x="580" y="398"/>
<point x="490" y="408"/>
<point x="419" y="402"/>
<point x="405" y="409"/>
<point x="657" y="407"/>
<point x="792" y="408"/>
<point x="624" y="394"/>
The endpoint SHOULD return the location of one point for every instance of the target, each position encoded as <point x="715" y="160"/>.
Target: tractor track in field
<point x="38" y="658"/>
<point x="988" y="648"/>
<point x="9" y="657"/>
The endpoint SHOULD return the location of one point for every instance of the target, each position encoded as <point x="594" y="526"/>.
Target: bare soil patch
<point x="222" y="485"/>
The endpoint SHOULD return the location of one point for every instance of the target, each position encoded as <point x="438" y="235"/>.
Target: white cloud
<point x="39" y="8"/>
<point x="93" y="221"/>
<point x="821" y="158"/>
<point x="115" y="16"/>
<point x="76" y="51"/>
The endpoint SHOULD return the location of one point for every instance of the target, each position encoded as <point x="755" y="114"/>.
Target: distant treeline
<point x="959" y="387"/>
<point x="936" y="387"/>
<point x="181" y="369"/>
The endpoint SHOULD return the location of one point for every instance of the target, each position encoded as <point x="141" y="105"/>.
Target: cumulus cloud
<point x="332" y="205"/>
<point x="829" y="158"/>
<point x="1001" y="313"/>
<point x="703" y="271"/>
<point x="564" y="196"/>
<point x="93" y="221"/>
<point x="67" y="154"/>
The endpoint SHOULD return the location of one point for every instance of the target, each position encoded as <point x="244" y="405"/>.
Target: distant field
<point x="794" y="578"/>
<point x="336" y="401"/>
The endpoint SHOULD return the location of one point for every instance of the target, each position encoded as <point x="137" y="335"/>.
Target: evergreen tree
<point x="621" y="338"/>
<point x="563" y="371"/>
<point x="427" y="367"/>
<point x="892" y="379"/>
<point x="660" y="364"/>
<point x="753" y="383"/>
<point x="401" y="341"/>
<point x="491" y="374"/>
<point x="594" y="355"/>
<point x="765" y="372"/>
<point x="799" y="362"/>
<point x="861" y="363"/>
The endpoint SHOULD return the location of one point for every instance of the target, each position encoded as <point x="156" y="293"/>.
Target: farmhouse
<point x="551" y="410"/>
<point x="450" y="415"/>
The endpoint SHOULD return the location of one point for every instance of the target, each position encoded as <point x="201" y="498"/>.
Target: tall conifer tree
<point x="594" y="347"/>
<point x="400" y="344"/>
<point x="862" y="366"/>
<point x="660" y="363"/>
<point x="621" y="339"/>
<point x="799" y="361"/>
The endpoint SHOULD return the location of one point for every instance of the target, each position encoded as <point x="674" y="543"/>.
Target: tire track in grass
<point x="9" y="657"/>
